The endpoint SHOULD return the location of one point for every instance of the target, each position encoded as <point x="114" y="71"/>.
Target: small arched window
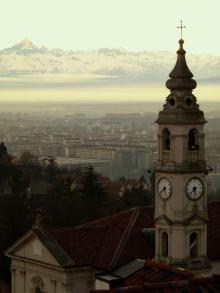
<point x="193" y="140"/>
<point x="37" y="290"/>
<point x="166" y="139"/>
<point x="164" y="239"/>
<point x="193" y="242"/>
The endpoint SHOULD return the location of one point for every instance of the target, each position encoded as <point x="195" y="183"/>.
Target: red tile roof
<point x="155" y="271"/>
<point x="159" y="277"/>
<point x="202" y="285"/>
<point x="112" y="241"/>
<point x="80" y="244"/>
<point x="136" y="245"/>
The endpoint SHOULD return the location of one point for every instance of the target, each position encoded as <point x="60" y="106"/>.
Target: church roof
<point x="158" y="277"/>
<point x="155" y="271"/>
<point x="112" y="241"/>
<point x="150" y="271"/>
<point x="108" y="242"/>
<point x="202" y="285"/>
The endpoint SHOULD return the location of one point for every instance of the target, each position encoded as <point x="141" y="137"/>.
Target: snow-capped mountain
<point x="119" y="64"/>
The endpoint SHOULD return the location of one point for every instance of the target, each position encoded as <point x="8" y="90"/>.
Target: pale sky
<point x="130" y="24"/>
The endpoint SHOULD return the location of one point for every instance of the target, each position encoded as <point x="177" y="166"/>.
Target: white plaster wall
<point x="101" y="285"/>
<point x="55" y="280"/>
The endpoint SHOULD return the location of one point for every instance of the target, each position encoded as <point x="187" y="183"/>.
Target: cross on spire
<point x="181" y="27"/>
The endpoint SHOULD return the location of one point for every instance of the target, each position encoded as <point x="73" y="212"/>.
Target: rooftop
<point x="159" y="277"/>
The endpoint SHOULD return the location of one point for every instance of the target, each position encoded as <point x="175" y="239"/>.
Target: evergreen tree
<point x="19" y="181"/>
<point x="3" y="150"/>
<point x="91" y="185"/>
<point x="63" y="186"/>
<point x="51" y="167"/>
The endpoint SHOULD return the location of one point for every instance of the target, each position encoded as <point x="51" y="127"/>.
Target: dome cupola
<point x="181" y="105"/>
<point x="181" y="76"/>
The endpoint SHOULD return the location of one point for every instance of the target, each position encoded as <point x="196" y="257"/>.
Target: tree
<point x="30" y="164"/>
<point x="28" y="159"/>
<point x="93" y="195"/>
<point x="91" y="186"/>
<point x="63" y="186"/>
<point x="51" y="167"/>
<point x="3" y="150"/>
<point x="135" y="197"/>
<point x="19" y="181"/>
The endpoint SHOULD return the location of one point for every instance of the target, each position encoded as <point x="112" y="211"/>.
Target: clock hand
<point x="194" y="189"/>
<point x="192" y="192"/>
<point x="163" y="190"/>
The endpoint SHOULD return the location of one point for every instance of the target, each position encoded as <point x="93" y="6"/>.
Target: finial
<point x="181" y="49"/>
<point x="181" y="76"/>
<point x="38" y="222"/>
<point x="181" y="27"/>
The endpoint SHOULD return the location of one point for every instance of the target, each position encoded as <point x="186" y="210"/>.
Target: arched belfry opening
<point x="166" y="139"/>
<point x="164" y="241"/>
<point x="193" y="245"/>
<point x="193" y="145"/>
<point x="166" y="145"/>
<point x="193" y="140"/>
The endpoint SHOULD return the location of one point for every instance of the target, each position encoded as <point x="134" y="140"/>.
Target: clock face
<point x="164" y="188"/>
<point x="194" y="188"/>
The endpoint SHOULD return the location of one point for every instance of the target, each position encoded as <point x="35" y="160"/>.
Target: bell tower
<point x="181" y="191"/>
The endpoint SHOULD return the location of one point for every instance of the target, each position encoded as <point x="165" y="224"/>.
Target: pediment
<point x="38" y="245"/>
<point x="33" y="249"/>
<point x="163" y="219"/>
<point x="192" y="220"/>
<point x="195" y="220"/>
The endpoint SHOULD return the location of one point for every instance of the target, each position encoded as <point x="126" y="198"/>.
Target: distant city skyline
<point x="129" y="24"/>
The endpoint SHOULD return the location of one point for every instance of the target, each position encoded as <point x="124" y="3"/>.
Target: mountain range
<point x="118" y="65"/>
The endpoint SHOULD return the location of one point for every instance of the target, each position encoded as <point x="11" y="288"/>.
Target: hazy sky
<point x="131" y="24"/>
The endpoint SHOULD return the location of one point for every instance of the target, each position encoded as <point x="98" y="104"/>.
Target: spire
<point x="181" y="105"/>
<point x="181" y="76"/>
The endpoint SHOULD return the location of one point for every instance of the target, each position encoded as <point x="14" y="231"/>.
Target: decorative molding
<point x="185" y="222"/>
<point x="162" y="218"/>
<point x="37" y="281"/>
